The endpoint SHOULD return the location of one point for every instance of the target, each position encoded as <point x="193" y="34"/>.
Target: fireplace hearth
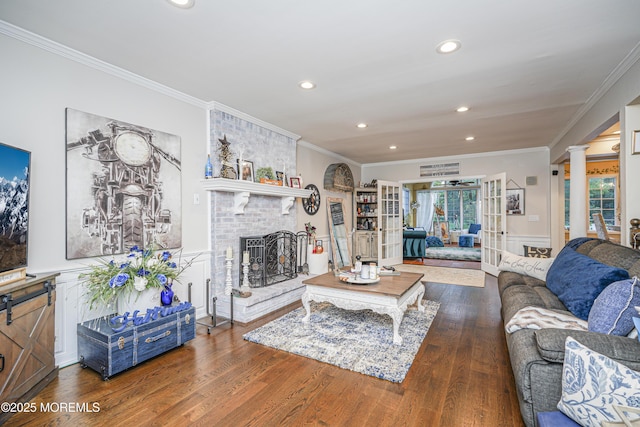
<point x="272" y="258"/>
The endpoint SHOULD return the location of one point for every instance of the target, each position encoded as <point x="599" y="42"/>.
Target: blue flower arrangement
<point x="142" y="269"/>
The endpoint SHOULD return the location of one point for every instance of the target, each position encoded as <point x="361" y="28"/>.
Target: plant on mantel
<point x="266" y="173"/>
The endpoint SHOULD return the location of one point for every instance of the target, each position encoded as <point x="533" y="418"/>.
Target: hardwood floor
<point x="461" y="377"/>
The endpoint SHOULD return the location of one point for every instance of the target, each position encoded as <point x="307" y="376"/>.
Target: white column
<point x="578" y="188"/>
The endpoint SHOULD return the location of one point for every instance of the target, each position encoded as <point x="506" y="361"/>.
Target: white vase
<point x="149" y="298"/>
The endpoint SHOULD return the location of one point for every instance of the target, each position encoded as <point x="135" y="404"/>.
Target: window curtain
<point x="424" y="213"/>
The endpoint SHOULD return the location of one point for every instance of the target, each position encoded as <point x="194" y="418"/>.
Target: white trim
<point x="82" y="58"/>
<point x="608" y="83"/>
<point x="457" y="157"/>
<point x="213" y="105"/>
<point x="328" y="153"/>
<point x="243" y="189"/>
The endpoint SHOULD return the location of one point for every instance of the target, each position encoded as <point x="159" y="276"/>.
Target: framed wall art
<point x="123" y="187"/>
<point x="515" y="201"/>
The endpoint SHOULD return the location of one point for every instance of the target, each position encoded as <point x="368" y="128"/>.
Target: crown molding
<point x="213" y="105"/>
<point x="458" y="157"/>
<point x="608" y="83"/>
<point x="38" y="41"/>
<point x="326" y="152"/>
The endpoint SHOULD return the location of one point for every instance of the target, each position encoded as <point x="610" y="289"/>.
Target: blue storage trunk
<point x="109" y="352"/>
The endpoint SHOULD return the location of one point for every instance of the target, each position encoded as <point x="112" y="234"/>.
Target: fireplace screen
<point x="272" y="258"/>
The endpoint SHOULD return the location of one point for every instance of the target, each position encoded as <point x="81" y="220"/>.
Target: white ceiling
<point x="525" y="68"/>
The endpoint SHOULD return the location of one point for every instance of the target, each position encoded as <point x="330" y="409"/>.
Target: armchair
<point x="475" y="230"/>
<point x="413" y="243"/>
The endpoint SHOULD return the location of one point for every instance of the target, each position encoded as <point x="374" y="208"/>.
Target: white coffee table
<point x="391" y="296"/>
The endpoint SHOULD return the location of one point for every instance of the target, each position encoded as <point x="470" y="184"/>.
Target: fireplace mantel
<point x="243" y="189"/>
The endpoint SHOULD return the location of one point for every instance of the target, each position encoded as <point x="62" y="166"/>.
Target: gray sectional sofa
<point x="537" y="355"/>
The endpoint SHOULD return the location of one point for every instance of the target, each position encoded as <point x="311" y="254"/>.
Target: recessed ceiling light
<point x="462" y="109"/>
<point x="470" y="138"/>
<point x="448" y="46"/>
<point x="362" y="125"/>
<point x="306" y="84"/>
<point x="392" y="147"/>
<point x="184" y="4"/>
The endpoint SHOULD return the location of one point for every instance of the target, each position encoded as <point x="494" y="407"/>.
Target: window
<point x="460" y="207"/>
<point x="602" y="198"/>
<point x="458" y="199"/>
<point x="470" y="207"/>
<point x="406" y="211"/>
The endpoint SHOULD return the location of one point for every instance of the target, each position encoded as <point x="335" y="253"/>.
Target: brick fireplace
<point x="261" y="215"/>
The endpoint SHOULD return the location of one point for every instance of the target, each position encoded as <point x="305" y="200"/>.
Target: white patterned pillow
<point x="534" y="267"/>
<point x="592" y="384"/>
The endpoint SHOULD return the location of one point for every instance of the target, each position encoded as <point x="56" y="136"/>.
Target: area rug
<point x="361" y="341"/>
<point x="453" y="253"/>
<point x="451" y="276"/>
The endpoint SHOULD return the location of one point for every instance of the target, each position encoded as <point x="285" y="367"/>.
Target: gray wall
<point x="36" y="86"/>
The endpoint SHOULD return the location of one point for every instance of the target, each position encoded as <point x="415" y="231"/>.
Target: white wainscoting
<point x="515" y="243"/>
<point x="72" y="308"/>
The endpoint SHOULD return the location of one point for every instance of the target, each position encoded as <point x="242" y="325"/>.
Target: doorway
<point x="445" y="209"/>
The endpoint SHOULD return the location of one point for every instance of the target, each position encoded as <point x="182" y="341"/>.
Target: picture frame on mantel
<point x="295" y="182"/>
<point x="280" y="176"/>
<point x="245" y="170"/>
<point x="636" y="142"/>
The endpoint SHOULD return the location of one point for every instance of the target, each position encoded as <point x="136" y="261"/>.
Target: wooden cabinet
<point x="366" y="245"/>
<point x="365" y="241"/>
<point x="27" y="338"/>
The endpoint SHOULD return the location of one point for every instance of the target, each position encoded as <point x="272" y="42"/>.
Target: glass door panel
<point x="390" y="223"/>
<point x="493" y="222"/>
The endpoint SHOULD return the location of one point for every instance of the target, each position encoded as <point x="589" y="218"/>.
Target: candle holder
<point x="229" y="280"/>
<point x="245" y="274"/>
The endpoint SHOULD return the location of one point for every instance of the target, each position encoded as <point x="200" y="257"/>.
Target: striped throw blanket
<point x="540" y="318"/>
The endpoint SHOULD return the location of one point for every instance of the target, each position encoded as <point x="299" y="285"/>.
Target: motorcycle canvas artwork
<point x="123" y="187"/>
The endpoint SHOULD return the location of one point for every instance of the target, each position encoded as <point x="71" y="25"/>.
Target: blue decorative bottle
<point x="208" y="169"/>
<point x="166" y="295"/>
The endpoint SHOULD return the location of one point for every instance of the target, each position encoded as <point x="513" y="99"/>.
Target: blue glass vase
<point x="166" y="295"/>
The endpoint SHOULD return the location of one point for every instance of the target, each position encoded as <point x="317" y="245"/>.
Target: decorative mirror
<point x="339" y="234"/>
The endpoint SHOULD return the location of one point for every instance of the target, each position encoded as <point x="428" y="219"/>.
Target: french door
<point x="494" y="222"/>
<point x="389" y="223"/>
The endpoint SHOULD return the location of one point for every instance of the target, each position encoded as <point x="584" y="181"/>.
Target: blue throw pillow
<point x="434" y="242"/>
<point x="612" y="312"/>
<point x="577" y="280"/>
<point x="474" y="228"/>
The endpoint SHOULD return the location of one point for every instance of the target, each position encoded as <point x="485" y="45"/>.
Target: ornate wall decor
<point x="123" y="187"/>
<point x="338" y="177"/>
<point x="604" y="167"/>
